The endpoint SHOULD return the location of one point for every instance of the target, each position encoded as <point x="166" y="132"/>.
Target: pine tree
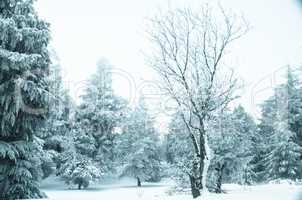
<point x="99" y="115"/>
<point x="138" y="147"/>
<point x="58" y="124"/>
<point x="294" y="93"/>
<point x="78" y="169"/>
<point x="231" y="141"/>
<point x="178" y="151"/>
<point x="144" y="163"/>
<point x="178" y="142"/>
<point x="284" y="161"/>
<point x="262" y="142"/>
<point x="279" y="130"/>
<point x="24" y="66"/>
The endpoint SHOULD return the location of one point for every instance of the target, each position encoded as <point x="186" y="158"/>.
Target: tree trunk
<point x="194" y="189"/>
<point x="138" y="182"/>
<point x="202" y="155"/>
<point x="80" y="186"/>
<point x="219" y="170"/>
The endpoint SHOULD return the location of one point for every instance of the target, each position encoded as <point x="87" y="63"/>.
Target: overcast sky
<point x="84" y="31"/>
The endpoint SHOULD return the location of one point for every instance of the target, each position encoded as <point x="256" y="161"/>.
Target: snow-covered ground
<point x="55" y="190"/>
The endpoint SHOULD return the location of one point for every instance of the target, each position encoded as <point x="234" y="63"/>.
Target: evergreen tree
<point x="178" y="142"/>
<point x="138" y="147"/>
<point x="76" y="168"/>
<point x="262" y="140"/>
<point x="98" y="117"/>
<point x="144" y="163"/>
<point x="58" y="124"/>
<point x="247" y="135"/>
<point x="24" y="64"/>
<point x="178" y="151"/>
<point x="284" y="161"/>
<point x="279" y="132"/>
<point x="231" y="141"/>
<point x="294" y="108"/>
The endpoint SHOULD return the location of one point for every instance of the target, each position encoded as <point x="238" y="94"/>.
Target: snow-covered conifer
<point x="24" y="65"/>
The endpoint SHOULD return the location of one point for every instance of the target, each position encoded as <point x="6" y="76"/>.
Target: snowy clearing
<point x="55" y="190"/>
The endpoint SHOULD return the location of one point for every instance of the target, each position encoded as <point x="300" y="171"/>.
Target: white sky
<point x="85" y="30"/>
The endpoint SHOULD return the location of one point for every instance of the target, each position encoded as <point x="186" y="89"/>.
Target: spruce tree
<point x="178" y="142"/>
<point x="178" y="151"/>
<point x="280" y="133"/>
<point x="76" y="168"/>
<point x="284" y="161"/>
<point x="98" y="116"/>
<point x="294" y="112"/>
<point x="262" y="141"/>
<point x="24" y="63"/>
<point x="231" y="141"/>
<point x="144" y="163"/>
<point x="138" y="147"/>
<point x="58" y="124"/>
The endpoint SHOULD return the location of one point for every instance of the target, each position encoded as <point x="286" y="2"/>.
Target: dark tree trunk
<point x="219" y="170"/>
<point x="194" y="189"/>
<point x="202" y="153"/>
<point x="80" y="186"/>
<point x="246" y="178"/>
<point x="139" y="184"/>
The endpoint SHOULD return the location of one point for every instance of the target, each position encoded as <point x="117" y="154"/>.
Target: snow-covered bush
<point x="143" y="164"/>
<point x="137" y="147"/>
<point x="80" y="171"/>
<point x="283" y="182"/>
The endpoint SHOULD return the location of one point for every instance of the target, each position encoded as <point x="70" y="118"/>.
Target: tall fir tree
<point x="76" y="167"/>
<point x="99" y="115"/>
<point x="58" y="124"/>
<point x="24" y="65"/>
<point x="262" y="141"/>
<point x="231" y="144"/>
<point x="279" y="133"/>
<point x="178" y="151"/>
<point x="178" y="143"/>
<point x="138" y="147"/>
<point x="284" y="160"/>
<point x="294" y="93"/>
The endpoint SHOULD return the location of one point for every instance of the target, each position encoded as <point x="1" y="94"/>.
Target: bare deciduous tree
<point x="189" y="50"/>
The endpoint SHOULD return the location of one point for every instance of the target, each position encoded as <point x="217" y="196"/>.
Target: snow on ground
<point x="127" y="189"/>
